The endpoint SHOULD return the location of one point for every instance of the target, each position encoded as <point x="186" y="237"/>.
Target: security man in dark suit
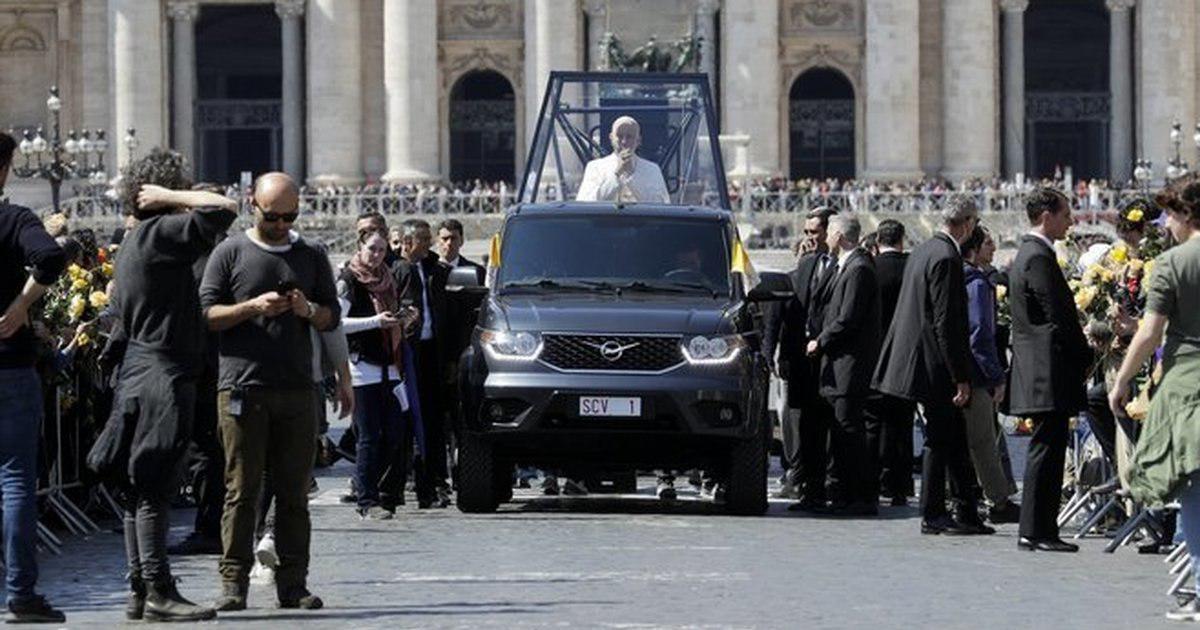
<point x="1050" y="364"/>
<point x="788" y="327"/>
<point x="926" y="358"/>
<point x="889" y="420"/>
<point x="848" y="347"/>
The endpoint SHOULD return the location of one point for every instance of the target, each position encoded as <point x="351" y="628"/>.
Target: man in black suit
<point x="848" y="347"/>
<point x="788" y="327"/>
<point x="926" y="358"/>
<point x="1051" y="359"/>
<point x="889" y="420"/>
<point x="425" y="278"/>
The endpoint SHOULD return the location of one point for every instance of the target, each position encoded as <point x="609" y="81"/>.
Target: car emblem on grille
<point x="612" y="350"/>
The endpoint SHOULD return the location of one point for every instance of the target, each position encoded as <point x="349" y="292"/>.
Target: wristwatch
<point x="312" y="309"/>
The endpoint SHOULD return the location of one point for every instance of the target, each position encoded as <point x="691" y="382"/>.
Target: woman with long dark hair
<point x="374" y="324"/>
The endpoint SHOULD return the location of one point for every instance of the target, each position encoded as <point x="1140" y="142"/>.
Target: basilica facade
<point x="350" y="91"/>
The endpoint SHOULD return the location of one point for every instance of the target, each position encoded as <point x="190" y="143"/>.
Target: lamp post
<point x="1176" y="167"/>
<point x="54" y="159"/>
<point x="1142" y="173"/>
<point x="131" y="143"/>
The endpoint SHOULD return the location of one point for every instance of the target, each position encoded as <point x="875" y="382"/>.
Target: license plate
<point x="604" y="406"/>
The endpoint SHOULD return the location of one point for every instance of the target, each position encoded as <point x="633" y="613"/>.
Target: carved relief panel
<point x="28" y="65"/>
<point x="481" y="19"/>
<point x="824" y="16"/>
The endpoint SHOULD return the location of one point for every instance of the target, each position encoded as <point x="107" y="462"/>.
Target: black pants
<point x="848" y="452"/>
<point x="889" y="426"/>
<point x="395" y="477"/>
<point x="147" y="519"/>
<point x="208" y="460"/>
<point x="816" y="416"/>
<point x="430" y="388"/>
<point x="946" y="452"/>
<point x="1042" y="493"/>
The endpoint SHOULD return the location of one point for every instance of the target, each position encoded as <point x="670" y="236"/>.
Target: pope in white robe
<point x="622" y="175"/>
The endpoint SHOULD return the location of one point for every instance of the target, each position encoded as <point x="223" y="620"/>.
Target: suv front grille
<point x="625" y="353"/>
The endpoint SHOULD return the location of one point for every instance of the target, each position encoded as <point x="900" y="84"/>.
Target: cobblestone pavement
<point x="636" y="563"/>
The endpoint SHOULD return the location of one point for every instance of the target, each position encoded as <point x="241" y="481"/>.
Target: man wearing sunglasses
<point x="265" y="290"/>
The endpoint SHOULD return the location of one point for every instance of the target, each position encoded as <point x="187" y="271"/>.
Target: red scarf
<point x="381" y="286"/>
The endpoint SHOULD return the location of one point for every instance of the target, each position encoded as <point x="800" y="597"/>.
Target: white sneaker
<point x="265" y="552"/>
<point x="1187" y="612"/>
<point x="262" y="574"/>
<point x="375" y="513"/>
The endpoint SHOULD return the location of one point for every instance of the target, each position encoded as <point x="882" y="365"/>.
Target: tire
<point x="746" y="494"/>
<point x="503" y="477"/>
<point x="477" y="476"/>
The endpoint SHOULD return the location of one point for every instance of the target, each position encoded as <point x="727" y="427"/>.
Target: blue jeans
<point x="377" y="421"/>
<point x="20" y="421"/>
<point x="1189" y="521"/>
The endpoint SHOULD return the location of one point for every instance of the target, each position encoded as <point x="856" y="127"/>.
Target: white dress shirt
<point x="602" y="183"/>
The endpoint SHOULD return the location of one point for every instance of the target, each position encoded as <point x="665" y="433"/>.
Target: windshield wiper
<point x="549" y="283"/>
<point x="668" y="287"/>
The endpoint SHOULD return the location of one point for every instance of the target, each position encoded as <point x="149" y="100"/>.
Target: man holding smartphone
<point x="264" y="291"/>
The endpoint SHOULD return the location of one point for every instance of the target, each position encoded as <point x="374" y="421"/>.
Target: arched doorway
<point x="483" y="128"/>
<point x="239" y="76"/>
<point x="821" y="125"/>
<point x="1067" y="104"/>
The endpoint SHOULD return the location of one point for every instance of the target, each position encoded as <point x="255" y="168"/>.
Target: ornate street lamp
<point x="56" y="160"/>
<point x="1176" y="168"/>
<point x="1142" y="173"/>
<point x="131" y="142"/>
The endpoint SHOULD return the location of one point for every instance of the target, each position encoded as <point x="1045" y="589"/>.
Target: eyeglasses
<point x="272" y="217"/>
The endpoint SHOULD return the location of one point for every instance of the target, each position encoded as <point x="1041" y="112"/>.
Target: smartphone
<point x="285" y="287"/>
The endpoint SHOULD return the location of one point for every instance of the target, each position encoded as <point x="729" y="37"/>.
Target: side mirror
<point x="465" y="280"/>
<point x="772" y="286"/>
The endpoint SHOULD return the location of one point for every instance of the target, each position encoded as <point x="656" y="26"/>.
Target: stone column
<point x="552" y="42"/>
<point x="1167" y="70"/>
<point x="969" y="105"/>
<point x="1120" y="82"/>
<point x="1014" y="85"/>
<point x="410" y="74"/>
<point x="750" y="80"/>
<point x="706" y="30"/>
<point x="892" y="79"/>
<point x="334" y="93"/>
<point x="139" y="98"/>
<point x="183" y="75"/>
<point x="290" y="13"/>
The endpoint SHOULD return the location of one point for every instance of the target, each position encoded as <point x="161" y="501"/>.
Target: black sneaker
<point x="33" y="610"/>
<point x="196" y="544"/>
<point x="299" y="598"/>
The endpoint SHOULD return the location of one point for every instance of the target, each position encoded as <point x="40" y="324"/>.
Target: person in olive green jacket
<point x="1166" y="461"/>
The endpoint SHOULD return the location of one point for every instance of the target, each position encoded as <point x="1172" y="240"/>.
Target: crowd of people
<point x="223" y="349"/>
<point x="218" y="348"/>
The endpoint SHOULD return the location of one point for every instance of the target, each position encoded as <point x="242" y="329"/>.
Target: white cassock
<point x="602" y="183"/>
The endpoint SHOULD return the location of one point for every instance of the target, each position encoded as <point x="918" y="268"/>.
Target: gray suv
<point x="616" y="335"/>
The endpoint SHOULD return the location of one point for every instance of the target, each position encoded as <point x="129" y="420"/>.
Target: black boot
<point x="298" y="597"/>
<point x="135" y="604"/>
<point x="233" y="597"/>
<point x="164" y="603"/>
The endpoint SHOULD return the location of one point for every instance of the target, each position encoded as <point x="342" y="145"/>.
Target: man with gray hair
<point x="848" y="346"/>
<point x="926" y="358"/>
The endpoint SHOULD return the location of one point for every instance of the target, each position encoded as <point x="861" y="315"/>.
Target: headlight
<point x="713" y="350"/>
<point x="505" y="345"/>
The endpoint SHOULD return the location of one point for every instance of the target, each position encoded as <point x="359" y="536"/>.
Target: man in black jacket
<point x="24" y="244"/>
<point x="889" y="420"/>
<point x="1051" y="359"/>
<point x="848" y="347"/>
<point x="425" y="279"/>
<point x="787" y="328"/>
<point x="926" y="358"/>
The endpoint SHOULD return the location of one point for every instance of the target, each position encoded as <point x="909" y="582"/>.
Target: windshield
<point x="609" y="253"/>
<point x="626" y="137"/>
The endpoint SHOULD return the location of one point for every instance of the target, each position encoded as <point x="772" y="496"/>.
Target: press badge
<point x="235" y="403"/>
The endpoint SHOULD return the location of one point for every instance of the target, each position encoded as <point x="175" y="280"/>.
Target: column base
<point x="408" y="176"/>
<point x="959" y="175"/>
<point x="883" y="175"/>
<point x="328" y="180"/>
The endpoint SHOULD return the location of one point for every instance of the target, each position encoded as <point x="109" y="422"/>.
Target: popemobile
<point x="618" y="329"/>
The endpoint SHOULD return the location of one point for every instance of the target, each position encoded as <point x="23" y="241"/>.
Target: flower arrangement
<point x="80" y="295"/>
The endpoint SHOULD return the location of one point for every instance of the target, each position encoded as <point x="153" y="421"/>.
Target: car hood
<point x="684" y="314"/>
